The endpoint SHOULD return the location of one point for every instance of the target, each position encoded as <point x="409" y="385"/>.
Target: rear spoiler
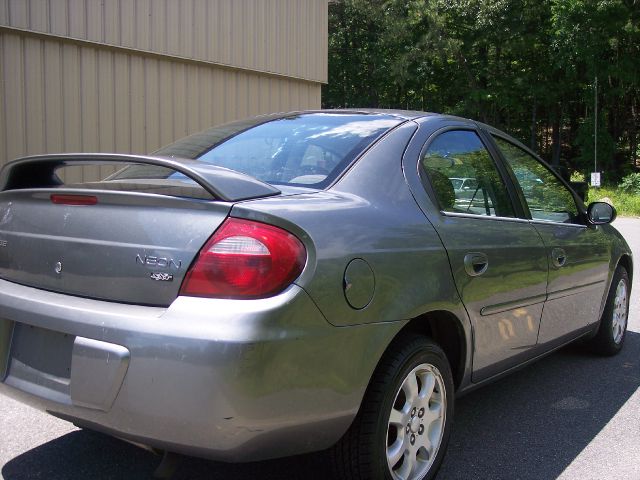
<point x="39" y="171"/>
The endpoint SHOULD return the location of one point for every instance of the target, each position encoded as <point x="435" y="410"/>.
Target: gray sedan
<point x="299" y="282"/>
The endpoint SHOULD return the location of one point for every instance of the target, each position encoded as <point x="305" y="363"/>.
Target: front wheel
<point x="613" y="324"/>
<point x="403" y="426"/>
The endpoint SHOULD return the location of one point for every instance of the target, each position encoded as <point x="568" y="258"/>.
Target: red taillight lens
<point x="245" y="259"/>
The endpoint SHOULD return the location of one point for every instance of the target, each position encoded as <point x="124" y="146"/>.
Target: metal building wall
<point x="133" y="75"/>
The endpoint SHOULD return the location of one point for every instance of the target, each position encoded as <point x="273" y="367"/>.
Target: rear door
<point x="578" y="255"/>
<point x="497" y="259"/>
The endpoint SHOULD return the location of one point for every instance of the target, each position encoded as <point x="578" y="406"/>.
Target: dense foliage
<point x="526" y="66"/>
<point x="631" y="183"/>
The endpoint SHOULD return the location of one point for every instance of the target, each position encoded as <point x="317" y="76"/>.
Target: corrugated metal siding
<point x="60" y="94"/>
<point x="286" y="37"/>
<point x="61" y="97"/>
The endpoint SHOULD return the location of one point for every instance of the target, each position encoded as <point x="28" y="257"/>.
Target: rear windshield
<point x="306" y="149"/>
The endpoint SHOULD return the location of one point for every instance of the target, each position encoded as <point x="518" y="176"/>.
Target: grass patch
<point x="627" y="204"/>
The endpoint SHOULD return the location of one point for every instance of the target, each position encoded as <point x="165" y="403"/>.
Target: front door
<point x="498" y="260"/>
<point x="578" y="261"/>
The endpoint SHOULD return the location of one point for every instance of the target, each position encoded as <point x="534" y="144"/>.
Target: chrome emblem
<point x="161" y="277"/>
<point x="162" y="262"/>
<point x="3" y="243"/>
<point x="58" y="268"/>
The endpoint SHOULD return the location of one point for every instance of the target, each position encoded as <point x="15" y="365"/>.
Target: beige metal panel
<point x="58" y="96"/>
<point x="200" y="29"/>
<point x="221" y="50"/>
<point x="157" y="110"/>
<point x="18" y="13"/>
<point x="172" y="27"/>
<point x="33" y="63"/>
<point x="59" y="17"/>
<point x="284" y="37"/>
<point x="122" y="87"/>
<point x="220" y="97"/>
<point x="143" y="24"/>
<point x="106" y="106"/>
<point x="77" y="19"/>
<point x="111" y="23"/>
<point x="95" y="18"/>
<point x="186" y="45"/>
<point x="3" y="107"/>
<point x="39" y="16"/>
<point x="165" y="104"/>
<point x="71" y="114"/>
<point x="127" y="26"/>
<point x="137" y="103"/>
<point x="13" y="81"/>
<point x="89" y="119"/>
<point x="180" y="97"/>
<point x="193" y="103"/>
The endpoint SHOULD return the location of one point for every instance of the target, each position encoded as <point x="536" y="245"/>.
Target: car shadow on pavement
<point x="530" y="425"/>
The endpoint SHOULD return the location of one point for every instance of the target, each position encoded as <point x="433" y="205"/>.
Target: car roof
<point x="401" y="114"/>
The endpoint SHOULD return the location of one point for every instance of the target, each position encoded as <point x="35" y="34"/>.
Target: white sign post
<point x="595" y="179"/>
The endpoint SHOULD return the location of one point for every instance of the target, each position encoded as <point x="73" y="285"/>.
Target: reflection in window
<point x="464" y="177"/>
<point x="302" y="149"/>
<point x="547" y="198"/>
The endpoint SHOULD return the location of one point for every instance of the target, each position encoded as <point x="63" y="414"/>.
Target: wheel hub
<point x="414" y="425"/>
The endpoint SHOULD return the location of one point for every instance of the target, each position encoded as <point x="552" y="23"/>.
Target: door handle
<point x="475" y="263"/>
<point x="558" y="257"/>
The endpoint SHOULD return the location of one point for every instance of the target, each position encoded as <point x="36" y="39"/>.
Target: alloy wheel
<point x="619" y="320"/>
<point x="416" y="423"/>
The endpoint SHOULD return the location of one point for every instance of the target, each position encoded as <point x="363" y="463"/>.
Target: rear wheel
<point x="403" y="426"/>
<point x="613" y="324"/>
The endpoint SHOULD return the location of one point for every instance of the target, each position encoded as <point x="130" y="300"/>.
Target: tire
<point x="613" y="324"/>
<point x="406" y="414"/>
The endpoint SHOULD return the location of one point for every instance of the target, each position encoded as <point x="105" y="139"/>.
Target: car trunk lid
<point x="125" y="240"/>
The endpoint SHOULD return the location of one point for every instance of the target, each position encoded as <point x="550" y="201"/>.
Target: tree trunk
<point x="534" y="128"/>
<point x="556" y="137"/>
<point x="633" y="134"/>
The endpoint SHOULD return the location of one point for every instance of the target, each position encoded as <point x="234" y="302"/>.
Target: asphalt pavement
<point x="571" y="416"/>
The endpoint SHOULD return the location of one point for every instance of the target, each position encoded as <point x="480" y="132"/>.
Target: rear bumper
<point x="229" y="380"/>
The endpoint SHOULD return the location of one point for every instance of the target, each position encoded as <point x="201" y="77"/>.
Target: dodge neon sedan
<point x="298" y="282"/>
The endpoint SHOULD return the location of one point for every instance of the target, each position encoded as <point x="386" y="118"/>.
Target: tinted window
<point x="305" y="149"/>
<point x="547" y="198"/>
<point x="464" y="176"/>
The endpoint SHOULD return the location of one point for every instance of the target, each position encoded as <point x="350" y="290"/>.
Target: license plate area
<point x="6" y="332"/>
<point x="40" y="362"/>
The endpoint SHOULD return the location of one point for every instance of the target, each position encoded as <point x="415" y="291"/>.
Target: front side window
<point x="464" y="177"/>
<point x="547" y="198"/>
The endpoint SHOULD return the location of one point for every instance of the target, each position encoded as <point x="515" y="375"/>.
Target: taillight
<point x="245" y="259"/>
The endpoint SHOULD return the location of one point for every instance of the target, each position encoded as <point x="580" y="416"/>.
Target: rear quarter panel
<point x="368" y="214"/>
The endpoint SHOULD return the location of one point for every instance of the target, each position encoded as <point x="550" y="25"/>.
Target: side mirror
<point x="600" y="213"/>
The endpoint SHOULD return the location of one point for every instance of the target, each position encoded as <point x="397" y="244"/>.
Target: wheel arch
<point x="447" y="330"/>
<point x="626" y="261"/>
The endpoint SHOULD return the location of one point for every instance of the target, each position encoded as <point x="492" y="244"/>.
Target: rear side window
<point x="305" y="149"/>
<point x="464" y="177"/>
<point x="547" y="198"/>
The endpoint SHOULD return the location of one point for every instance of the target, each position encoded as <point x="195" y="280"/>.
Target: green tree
<point x="524" y="65"/>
